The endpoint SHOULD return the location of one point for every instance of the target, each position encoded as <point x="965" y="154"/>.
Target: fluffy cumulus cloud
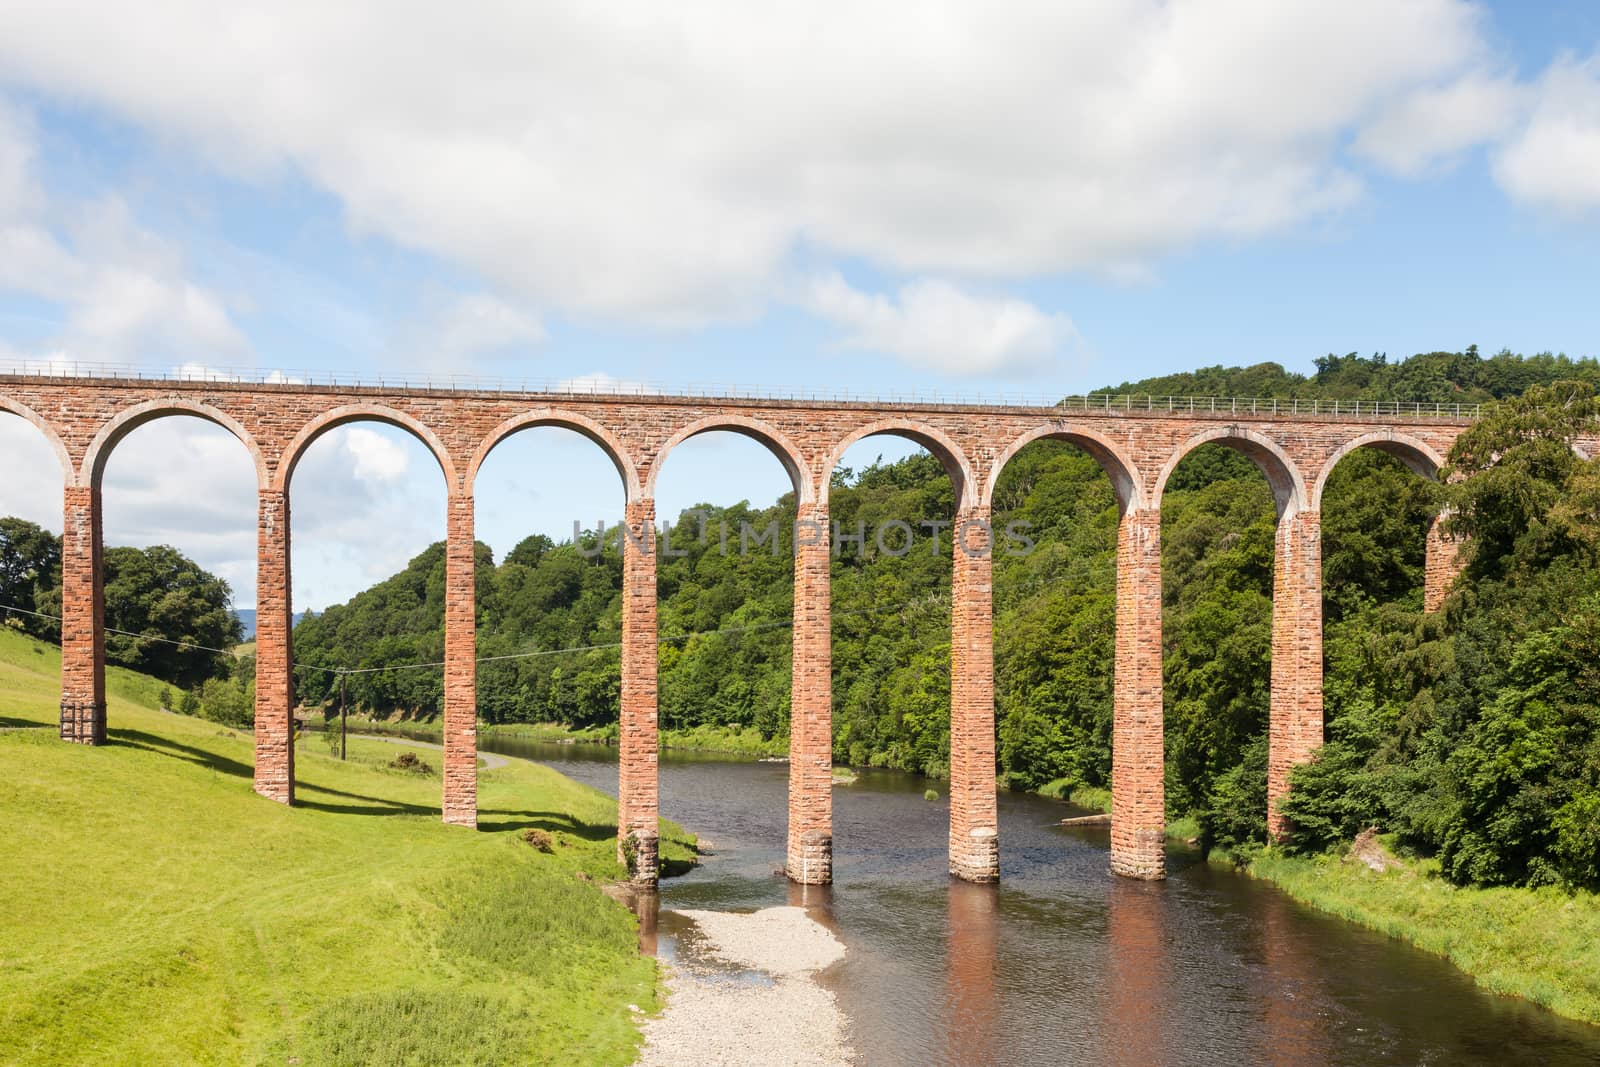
<point x="664" y="163"/>
<point x="122" y="289"/>
<point x="1436" y="123"/>
<point x="1554" y="161"/>
<point x="935" y="324"/>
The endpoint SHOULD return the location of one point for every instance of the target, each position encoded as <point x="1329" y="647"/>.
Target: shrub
<point x="411" y="763"/>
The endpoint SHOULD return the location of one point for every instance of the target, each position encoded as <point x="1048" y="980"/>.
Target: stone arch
<point x="775" y="440"/>
<point x="600" y="434"/>
<point x="1288" y="485"/>
<point x="1117" y="464"/>
<point x="130" y="419"/>
<point x="348" y="413"/>
<point x="1416" y="454"/>
<point x="27" y="414"/>
<point x="949" y="454"/>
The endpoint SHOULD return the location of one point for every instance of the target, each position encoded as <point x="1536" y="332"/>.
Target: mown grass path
<point x="154" y="910"/>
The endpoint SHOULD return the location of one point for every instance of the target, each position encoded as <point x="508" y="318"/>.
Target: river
<point x="1062" y="962"/>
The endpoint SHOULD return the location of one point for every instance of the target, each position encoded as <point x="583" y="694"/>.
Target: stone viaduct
<point x="1138" y="441"/>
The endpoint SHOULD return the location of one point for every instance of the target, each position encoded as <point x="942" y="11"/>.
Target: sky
<point x="875" y="197"/>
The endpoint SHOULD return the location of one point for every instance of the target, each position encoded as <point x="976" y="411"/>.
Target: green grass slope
<point x="156" y="911"/>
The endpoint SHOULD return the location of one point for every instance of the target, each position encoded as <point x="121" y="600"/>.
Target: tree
<point x="30" y="566"/>
<point x="176" y="612"/>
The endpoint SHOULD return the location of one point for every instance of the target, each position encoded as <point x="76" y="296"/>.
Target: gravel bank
<point x="776" y="1013"/>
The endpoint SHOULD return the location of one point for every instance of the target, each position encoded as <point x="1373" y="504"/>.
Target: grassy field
<point x="157" y="911"/>
<point x="1541" y="944"/>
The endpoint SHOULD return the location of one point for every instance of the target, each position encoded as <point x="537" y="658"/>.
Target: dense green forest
<point x="1470" y="733"/>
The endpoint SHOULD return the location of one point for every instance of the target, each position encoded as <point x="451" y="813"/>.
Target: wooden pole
<point x="343" y="721"/>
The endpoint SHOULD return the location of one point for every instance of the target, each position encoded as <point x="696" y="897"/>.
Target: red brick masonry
<point x="85" y="418"/>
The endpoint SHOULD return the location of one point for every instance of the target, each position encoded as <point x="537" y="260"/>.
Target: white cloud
<point x="19" y="193"/>
<point x="122" y="289"/>
<point x="1436" y="123"/>
<point x="664" y="163"/>
<point x="478" y="322"/>
<point x="463" y="332"/>
<point x="375" y="457"/>
<point x="1554" y="162"/>
<point x="31" y="488"/>
<point x="934" y="325"/>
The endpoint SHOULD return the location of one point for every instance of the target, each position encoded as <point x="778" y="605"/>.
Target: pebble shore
<point x="776" y="1013"/>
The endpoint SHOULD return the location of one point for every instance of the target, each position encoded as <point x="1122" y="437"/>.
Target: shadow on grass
<point x="366" y="805"/>
<point x="369" y="806"/>
<point x="549" y="821"/>
<point x="163" y="746"/>
<point x="8" y="723"/>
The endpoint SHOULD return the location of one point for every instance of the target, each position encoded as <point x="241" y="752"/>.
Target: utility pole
<point x="343" y="720"/>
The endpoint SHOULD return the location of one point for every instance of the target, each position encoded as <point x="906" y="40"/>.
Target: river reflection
<point x="1134" y="1022"/>
<point x="1062" y="962"/>
<point x="972" y="1002"/>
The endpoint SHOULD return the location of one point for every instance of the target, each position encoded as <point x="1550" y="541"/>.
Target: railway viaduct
<point x="1137" y="440"/>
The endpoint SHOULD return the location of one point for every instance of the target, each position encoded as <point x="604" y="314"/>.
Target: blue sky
<point x="868" y="197"/>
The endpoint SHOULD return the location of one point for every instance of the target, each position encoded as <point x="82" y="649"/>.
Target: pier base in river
<point x="1139" y="853"/>
<point x="811" y="858"/>
<point x="640" y="853"/>
<point x="978" y="857"/>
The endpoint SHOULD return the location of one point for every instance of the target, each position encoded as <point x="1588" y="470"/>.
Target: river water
<point x="1062" y="962"/>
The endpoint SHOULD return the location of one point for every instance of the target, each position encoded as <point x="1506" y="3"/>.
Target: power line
<point x="122" y="633"/>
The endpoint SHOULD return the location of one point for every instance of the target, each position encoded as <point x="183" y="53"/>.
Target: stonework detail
<point x="637" y="802"/>
<point x="1443" y="564"/>
<point x="274" y="777"/>
<point x="974" y="815"/>
<point x="83" y="647"/>
<point x="85" y="418"/>
<point x="1138" y="797"/>
<point x="810" y="843"/>
<point x="460" y="667"/>
<point x="1296" y="715"/>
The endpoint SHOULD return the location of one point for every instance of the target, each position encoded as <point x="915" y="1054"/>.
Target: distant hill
<point x="247" y="619"/>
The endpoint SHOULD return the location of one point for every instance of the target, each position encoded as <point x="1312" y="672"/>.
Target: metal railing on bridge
<point x="604" y="385"/>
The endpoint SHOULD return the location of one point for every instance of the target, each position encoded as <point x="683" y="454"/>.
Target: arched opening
<point x="178" y="503"/>
<point x="1241" y="691"/>
<point x="549" y="499"/>
<point x="895" y="505"/>
<point x="731" y="626"/>
<point x="1379" y="499"/>
<point x="364" y="496"/>
<point x="1058" y="499"/>
<point x="1386" y="564"/>
<point x="30" y="565"/>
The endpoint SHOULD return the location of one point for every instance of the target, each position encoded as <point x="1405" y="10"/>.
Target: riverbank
<point x="743" y="989"/>
<point x="157" y="910"/>
<point x="711" y="740"/>
<point x="1539" y="944"/>
<point x="1092" y="798"/>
